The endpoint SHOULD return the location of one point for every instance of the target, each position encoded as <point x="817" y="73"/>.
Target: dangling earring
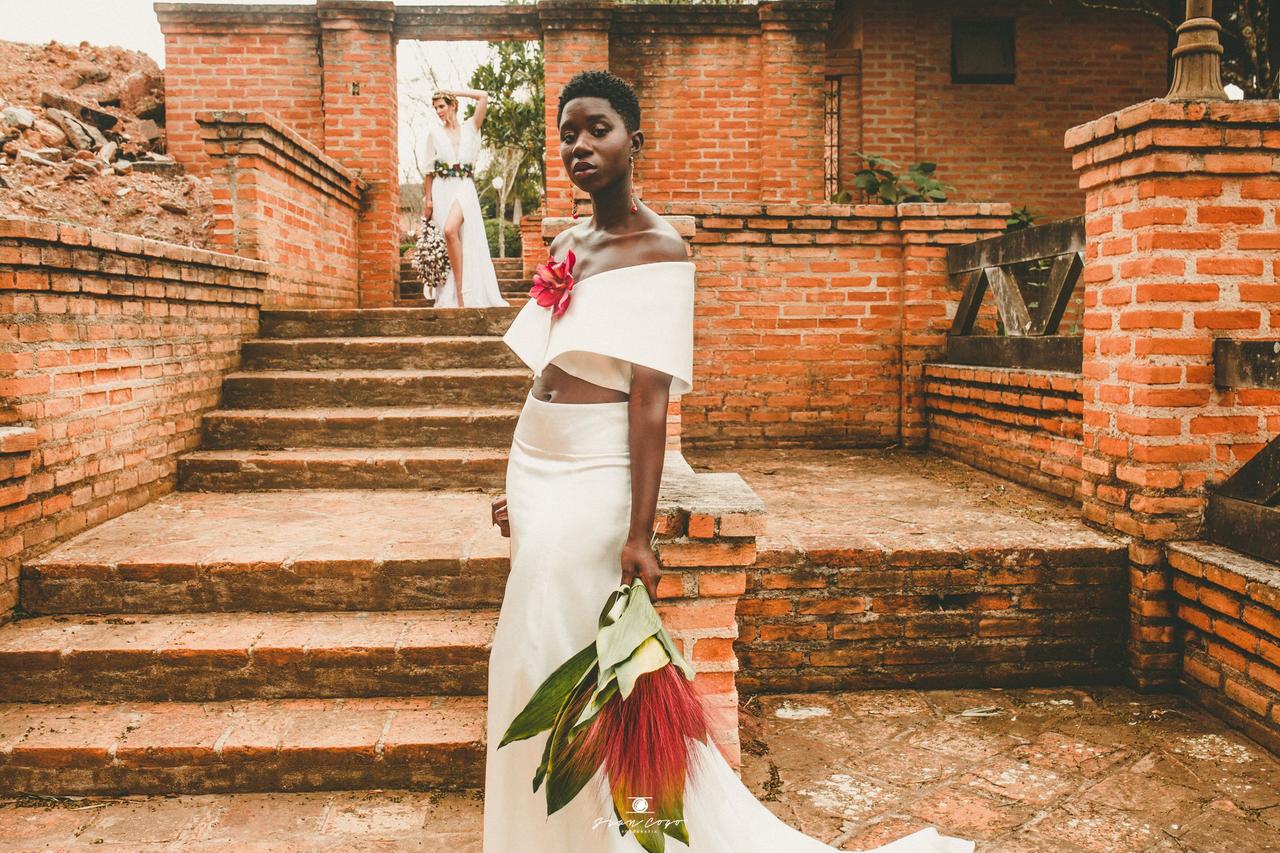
<point x="633" y="193"/>
<point x="575" y="204"/>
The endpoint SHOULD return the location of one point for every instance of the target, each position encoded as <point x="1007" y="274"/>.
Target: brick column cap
<point x="227" y="17"/>
<point x="575" y="14"/>
<point x="370" y="15"/>
<point x="796" y="14"/>
<point x="1173" y="137"/>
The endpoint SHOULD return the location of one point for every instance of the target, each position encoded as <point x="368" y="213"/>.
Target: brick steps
<point x="218" y="656"/>
<point x="386" y="426"/>
<point x="343" y="468"/>
<point x="386" y="322"/>
<point x="314" y="550"/>
<point x="378" y="353"/>
<point x="323" y="388"/>
<point x="242" y="745"/>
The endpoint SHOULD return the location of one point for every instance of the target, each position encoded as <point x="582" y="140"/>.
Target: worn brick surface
<point x="887" y="569"/>
<point x="243" y="745"/>
<point x="1024" y="425"/>
<point x="1100" y="769"/>
<point x="212" y="656"/>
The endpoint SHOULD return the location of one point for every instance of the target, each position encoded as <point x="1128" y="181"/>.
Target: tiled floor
<point x="1051" y="769"/>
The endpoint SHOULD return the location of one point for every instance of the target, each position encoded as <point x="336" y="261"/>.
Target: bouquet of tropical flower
<point x="626" y="703"/>
<point x="430" y="258"/>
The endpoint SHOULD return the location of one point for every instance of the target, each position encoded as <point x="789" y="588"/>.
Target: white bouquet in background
<point x="430" y="258"/>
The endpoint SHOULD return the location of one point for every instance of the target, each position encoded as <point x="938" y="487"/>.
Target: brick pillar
<point x="793" y="58"/>
<point x="575" y="37"/>
<point x="928" y="301"/>
<point x="1181" y="218"/>
<point x="360" y="129"/>
<point x="246" y="58"/>
<point x="533" y="249"/>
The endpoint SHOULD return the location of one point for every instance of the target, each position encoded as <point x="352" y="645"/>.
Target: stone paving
<point x="1047" y="769"/>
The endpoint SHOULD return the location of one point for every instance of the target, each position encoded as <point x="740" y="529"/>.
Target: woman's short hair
<point x="603" y="84"/>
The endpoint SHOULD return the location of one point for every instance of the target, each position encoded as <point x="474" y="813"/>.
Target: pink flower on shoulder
<point x="552" y="282"/>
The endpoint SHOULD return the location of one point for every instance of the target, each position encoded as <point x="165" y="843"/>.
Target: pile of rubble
<point x="82" y="140"/>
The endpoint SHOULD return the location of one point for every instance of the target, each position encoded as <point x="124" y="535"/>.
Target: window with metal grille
<point x="831" y="138"/>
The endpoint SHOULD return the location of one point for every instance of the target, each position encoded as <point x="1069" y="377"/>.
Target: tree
<point x="513" y="123"/>
<point x="1250" y="37"/>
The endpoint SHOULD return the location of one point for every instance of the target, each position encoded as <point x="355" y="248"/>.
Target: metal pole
<point x="1197" y="59"/>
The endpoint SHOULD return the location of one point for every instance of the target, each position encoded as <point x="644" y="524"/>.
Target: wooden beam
<point x="1062" y="353"/>
<point x="1015" y="247"/>
<point x="1009" y="301"/>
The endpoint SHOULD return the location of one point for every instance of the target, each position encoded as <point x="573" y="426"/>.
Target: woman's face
<point x="443" y="109"/>
<point x="592" y="134"/>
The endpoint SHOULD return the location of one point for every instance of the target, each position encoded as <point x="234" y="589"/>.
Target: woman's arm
<point x="647" y="422"/>
<point x="482" y="103"/>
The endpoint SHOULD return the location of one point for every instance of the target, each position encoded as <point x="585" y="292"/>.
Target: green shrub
<point x="881" y="183"/>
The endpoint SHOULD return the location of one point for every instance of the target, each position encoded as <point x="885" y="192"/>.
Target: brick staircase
<point x="386" y="398"/>
<point x="313" y="609"/>
<point x="511" y="281"/>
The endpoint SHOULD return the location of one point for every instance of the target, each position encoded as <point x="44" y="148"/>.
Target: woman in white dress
<point x="581" y="494"/>
<point x="450" y="200"/>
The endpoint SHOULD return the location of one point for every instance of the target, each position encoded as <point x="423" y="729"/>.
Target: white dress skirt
<point x="479" y="278"/>
<point x="569" y="507"/>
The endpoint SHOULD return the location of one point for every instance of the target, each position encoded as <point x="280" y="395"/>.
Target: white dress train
<point x="568" y="490"/>
<point x="479" y="278"/>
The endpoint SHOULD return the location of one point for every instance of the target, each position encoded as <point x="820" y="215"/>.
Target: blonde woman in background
<point x="450" y="200"/>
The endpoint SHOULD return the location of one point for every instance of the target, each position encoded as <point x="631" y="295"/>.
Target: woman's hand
<point x="427" y="210"/>
<point x="638" y="560"/>
<point x="499" y="513"/>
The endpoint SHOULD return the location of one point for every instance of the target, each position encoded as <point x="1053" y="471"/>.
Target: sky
<point x="132" y="24"/>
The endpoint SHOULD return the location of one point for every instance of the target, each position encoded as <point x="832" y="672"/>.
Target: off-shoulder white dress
<point x="480" y="287"/>
<point x="569" y="505"/>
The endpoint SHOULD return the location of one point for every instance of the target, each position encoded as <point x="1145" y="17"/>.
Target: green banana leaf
<point x="615" y="642"/>
<point x="542" y="709"/>
<point x="673" y="815"/>
<point x="599" y="699"/>
<point x="649" y="656"/>
<point x="566" y="777"/>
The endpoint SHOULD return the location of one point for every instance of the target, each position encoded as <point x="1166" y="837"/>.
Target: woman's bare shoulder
<point x="661" y="243"/>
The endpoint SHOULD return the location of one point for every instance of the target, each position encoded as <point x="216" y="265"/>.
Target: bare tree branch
<point x="1141" y="7"/>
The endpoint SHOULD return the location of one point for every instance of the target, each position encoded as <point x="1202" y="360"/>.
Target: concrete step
<point x="423" y="353"/>
<point x="215" y="656"/>
<point x="275" y="389"/>
<point x="386" y="322"/>
<point x="242" y="745"/>
<point x="310" y="550"/>
<point x="343" y="468"/>
<point x="388" y="426"/>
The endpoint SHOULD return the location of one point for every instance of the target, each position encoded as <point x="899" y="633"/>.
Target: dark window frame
<point x="1007" y="28"/>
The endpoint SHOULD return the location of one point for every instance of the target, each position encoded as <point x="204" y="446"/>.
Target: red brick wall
<point x="267" y="60"/>
<point x="1228" y="609"/>
<point x="575" y="37"/>
<point x="805" y="314"/>
<point x="111" y="347"/>
<point x="277" y="198"/>
<point x="360" y="129"/>
<point x="1181" y="222"/>
<point x="1001" y="142"/>
<point x="859" y="619"/>
<point x="1023" y="425"/>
